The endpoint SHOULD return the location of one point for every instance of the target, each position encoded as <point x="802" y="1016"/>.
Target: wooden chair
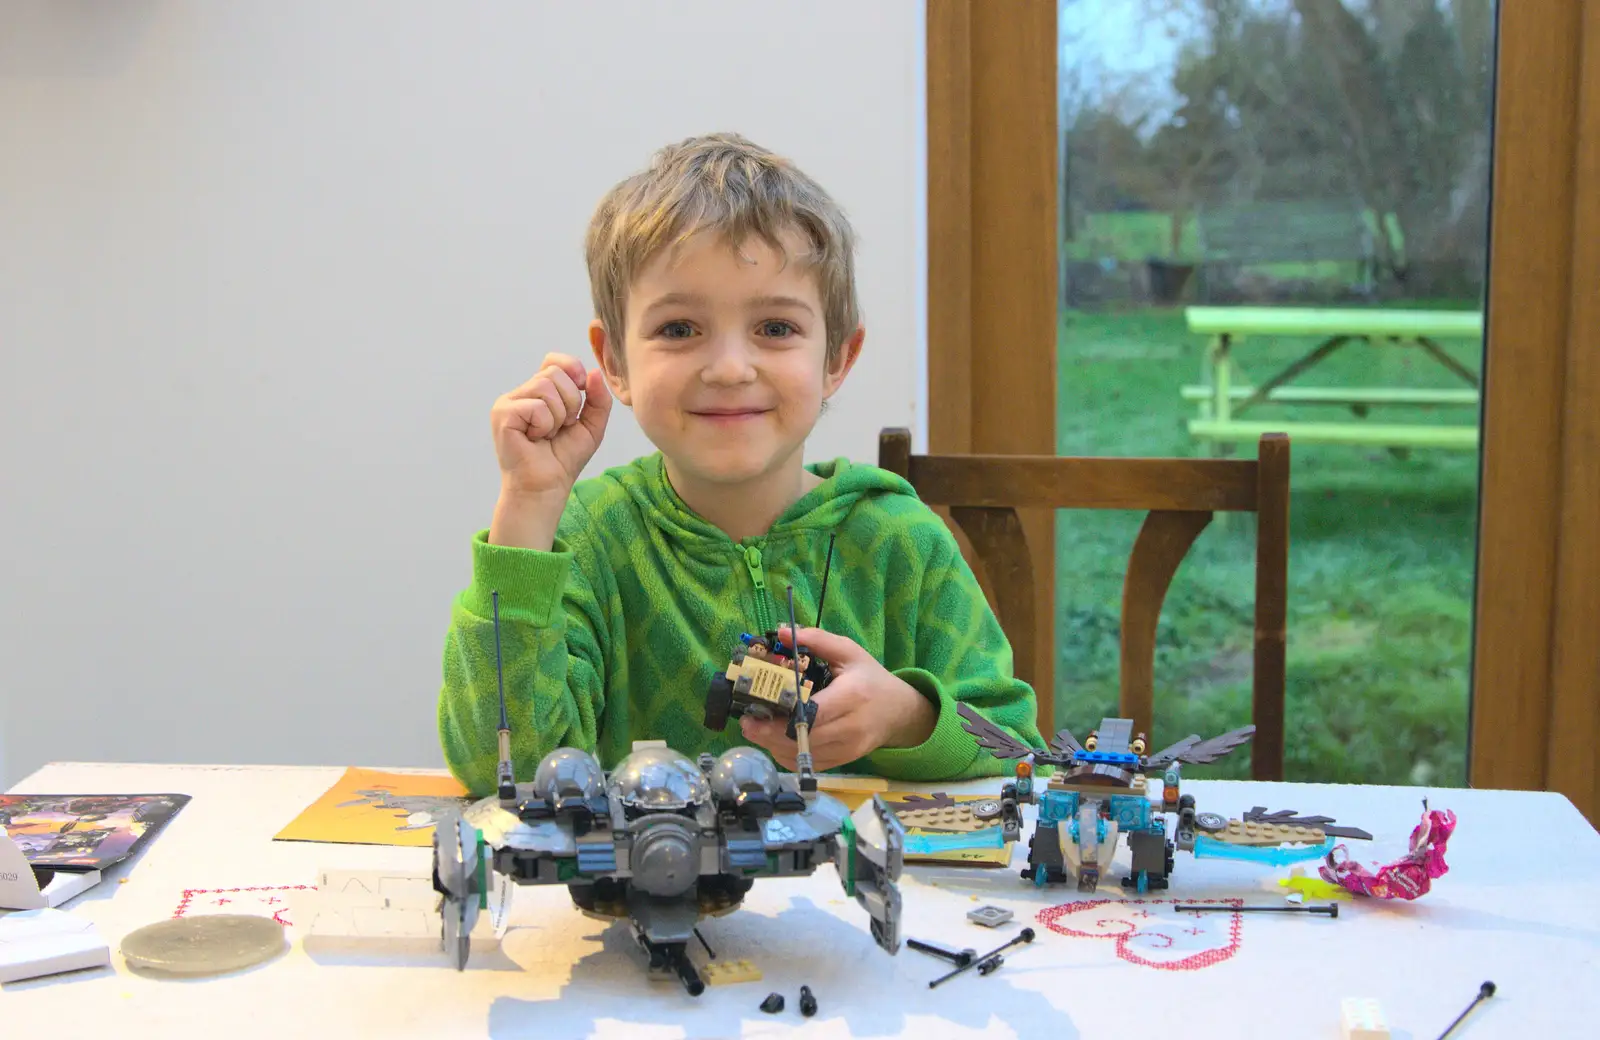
<point x="984" y="492"/>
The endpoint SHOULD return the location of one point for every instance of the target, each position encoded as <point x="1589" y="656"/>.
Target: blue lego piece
<point x="746" y="853"/>
<point x="596" y="857"/>
<point x="1105" y="758"/>
<point x="1058" y="805"/>
<point x="927" y="844"/>
<point x="1132" y="812"/>
<point x="1207" y="847"/>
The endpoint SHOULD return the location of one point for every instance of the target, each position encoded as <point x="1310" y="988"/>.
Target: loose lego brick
<point x="726" y="973"/>
<point x="989" y="916"/>
<point x="1299" y="883"/>
<point x="1363" y="1020"/>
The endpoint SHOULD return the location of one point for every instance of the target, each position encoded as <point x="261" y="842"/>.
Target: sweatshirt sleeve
<point x="552" y="645"/>
<point x="962" y="657"/>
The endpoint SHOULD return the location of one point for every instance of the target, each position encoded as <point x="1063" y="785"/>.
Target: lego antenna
<point x="508" y="783"/>
<point x="802" y="725"/>
<point x="823" y="597"/>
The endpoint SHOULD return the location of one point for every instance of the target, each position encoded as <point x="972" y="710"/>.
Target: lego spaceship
<point x="662" y="841"/>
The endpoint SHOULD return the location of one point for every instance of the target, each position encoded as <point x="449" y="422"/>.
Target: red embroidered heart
<point x="1154" y="938"/>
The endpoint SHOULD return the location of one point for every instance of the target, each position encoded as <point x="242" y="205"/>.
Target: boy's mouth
<point x="729" y="415"/>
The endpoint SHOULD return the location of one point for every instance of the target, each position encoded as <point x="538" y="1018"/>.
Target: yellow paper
<point x="369" y="807"/>
<point x="853" y="791"/>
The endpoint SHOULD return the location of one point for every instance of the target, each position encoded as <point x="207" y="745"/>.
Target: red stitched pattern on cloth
<point x="262" y="900"/>
<point x="1164" y="941"/>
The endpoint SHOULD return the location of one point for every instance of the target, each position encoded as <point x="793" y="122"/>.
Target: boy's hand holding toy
<point x="864" y="708"/>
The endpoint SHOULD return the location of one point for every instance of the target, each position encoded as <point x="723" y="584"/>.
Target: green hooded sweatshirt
<point x="615" y="634"/>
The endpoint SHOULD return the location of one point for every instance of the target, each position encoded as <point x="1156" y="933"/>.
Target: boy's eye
<point x="675" y="330"/>
<point x="776" y="329"/>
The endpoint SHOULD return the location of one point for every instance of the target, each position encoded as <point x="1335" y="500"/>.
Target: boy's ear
<point x="841" y="366"/>
<point x="605" y="354"/>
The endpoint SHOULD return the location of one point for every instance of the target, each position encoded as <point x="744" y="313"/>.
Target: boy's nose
<point x="731" y="362"/>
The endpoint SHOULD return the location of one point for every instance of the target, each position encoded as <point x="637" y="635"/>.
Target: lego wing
<point x="869" y="854"/>
<point x="990" y="737"/>
<point x="1066" y="743"/>
<point x="1287" y="817"/>
<point x="458" y="866"/>
<point x="1193" y="749"/>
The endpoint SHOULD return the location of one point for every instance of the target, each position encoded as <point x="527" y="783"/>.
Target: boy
<point x="723" y="284"/>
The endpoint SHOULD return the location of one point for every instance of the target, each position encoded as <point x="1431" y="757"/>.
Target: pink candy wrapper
<point x="1404" y="879"/>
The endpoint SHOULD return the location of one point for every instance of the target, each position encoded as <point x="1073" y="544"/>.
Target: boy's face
<point x="726" y="357"/>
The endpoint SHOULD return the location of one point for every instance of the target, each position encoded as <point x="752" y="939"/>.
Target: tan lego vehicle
<point x="768" y="680"/>
<point x="760" y="682"/>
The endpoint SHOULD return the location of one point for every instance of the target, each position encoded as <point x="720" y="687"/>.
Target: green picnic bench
<point x="1222" y="400"/>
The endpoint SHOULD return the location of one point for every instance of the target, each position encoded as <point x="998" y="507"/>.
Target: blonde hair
<point x="727" y="185"/>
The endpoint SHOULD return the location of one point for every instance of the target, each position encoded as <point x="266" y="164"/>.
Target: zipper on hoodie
<point x="752" y="560"/>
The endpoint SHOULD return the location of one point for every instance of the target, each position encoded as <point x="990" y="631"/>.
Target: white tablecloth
<point x="1520" y="906"/>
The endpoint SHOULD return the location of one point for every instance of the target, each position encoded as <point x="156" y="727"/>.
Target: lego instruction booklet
<point x="84" y="831"/>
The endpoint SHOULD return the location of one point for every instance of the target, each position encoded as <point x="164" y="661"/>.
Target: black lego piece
<point x="1485" y="991"/>
<point x="773" y="1004"/>
<point x="1331" y="910"/>
<point x="960" y="958"/>
<point x="808" y="1003"/>
<point x="992" y="959"/>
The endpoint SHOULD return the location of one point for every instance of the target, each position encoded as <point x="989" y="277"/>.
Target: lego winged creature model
<point x="1097" y="797"/>
<point x="661" y="841"/>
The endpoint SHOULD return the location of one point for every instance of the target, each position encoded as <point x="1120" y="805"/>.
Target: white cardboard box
<point x="35" y="943"/>
<point x="19" y="890"/>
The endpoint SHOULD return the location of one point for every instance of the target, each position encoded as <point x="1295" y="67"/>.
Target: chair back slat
<point x="1164" y="540"/>
<point x="983" y="493"/>
<point x="1048" y="482"/>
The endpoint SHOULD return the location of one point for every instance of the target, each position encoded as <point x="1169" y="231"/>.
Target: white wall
<point x="263" y="269"/>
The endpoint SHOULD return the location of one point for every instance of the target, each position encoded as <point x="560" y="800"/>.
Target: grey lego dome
<point x="743" y="769"/>
<point x="659" y="779"/>
<point x="568" y="773"/>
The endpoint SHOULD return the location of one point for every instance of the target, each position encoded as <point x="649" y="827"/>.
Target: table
<point x="1221" y="402"/>
<point x="1520" y="906"/>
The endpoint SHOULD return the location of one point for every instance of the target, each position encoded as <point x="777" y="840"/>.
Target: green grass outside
<point x="1381" y="562"/>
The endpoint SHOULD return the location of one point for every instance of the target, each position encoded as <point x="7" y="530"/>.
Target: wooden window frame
<point x="992" y="291"/>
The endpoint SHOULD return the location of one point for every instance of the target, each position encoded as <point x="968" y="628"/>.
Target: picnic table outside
<point x="1224" y="397"/>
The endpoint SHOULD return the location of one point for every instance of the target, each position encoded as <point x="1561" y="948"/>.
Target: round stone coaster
<point x="205" y="945"/>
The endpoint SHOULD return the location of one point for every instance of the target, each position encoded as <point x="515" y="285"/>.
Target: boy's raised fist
<point x="547" y="429"/>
